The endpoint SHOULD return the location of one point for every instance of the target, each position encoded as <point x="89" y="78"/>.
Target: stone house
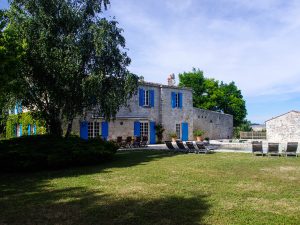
<point x="170" y="105"/>
<point x="284" y="128"/>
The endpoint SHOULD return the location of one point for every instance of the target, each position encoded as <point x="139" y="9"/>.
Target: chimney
<point x="171" y="80"/>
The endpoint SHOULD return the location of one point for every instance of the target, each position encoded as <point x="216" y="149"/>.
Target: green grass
<point x="158" y="188"/>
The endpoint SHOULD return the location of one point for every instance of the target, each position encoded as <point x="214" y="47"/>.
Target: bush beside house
<point x="26" y="125"/>
<point x="38" y="152"/>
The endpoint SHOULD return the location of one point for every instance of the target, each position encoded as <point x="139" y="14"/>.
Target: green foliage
<point x="214" y="95"/>
<point x="49" y="152"/>
<point x="198" y="133"/>
<point x="72" y="60"/>
<point x="159" y="130"/>
<point x="245" y="126"/>
<point x="25" y="119"/>
<point x="173" y="135"/>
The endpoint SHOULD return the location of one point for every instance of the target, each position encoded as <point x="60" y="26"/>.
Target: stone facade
<point x="284" y="128"/>
<point x="216" y="125"/>
<point x="163" y="110"/>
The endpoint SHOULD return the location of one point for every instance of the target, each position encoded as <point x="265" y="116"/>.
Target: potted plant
<point x="159" y="130"/>
<point x="198" y="134"/>
<point x="173" y="136"/>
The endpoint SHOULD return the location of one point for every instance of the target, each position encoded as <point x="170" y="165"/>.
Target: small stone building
<point x="284" y="128"/>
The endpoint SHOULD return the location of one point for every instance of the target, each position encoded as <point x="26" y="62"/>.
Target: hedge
<point x="39" y="152"/>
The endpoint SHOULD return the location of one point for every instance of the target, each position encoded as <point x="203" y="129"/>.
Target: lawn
<point x="158" y="188"/>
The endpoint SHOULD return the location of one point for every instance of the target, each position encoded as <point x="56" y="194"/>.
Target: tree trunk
<point x="69" y="128"/>
<point x="54" y="127"/>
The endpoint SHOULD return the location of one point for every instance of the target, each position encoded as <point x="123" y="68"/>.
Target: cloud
<point x="256" y="46"/>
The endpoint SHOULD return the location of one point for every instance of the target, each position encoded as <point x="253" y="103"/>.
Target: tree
<point x="10" y="59"/>
<point x="73" y="61"/>
<point x="214" y="95"/>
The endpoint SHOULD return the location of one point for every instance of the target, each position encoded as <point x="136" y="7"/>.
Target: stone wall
<point x="285" y="128"/>
<point x="216" y="125"/>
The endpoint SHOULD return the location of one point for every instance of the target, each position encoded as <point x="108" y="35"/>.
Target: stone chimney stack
<point x="171" y="79"/>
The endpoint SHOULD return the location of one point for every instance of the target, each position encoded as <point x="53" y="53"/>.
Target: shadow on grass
<point x="21" y="182"/>
<point x="81" y="206"/>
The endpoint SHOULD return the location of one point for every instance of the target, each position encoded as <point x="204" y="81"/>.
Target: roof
<point x="210" y="111"/>
<point x="163" y="86"/>
<point x="295" y="111"/>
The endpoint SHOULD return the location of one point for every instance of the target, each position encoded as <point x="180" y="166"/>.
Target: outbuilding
<point x="284" y="128"/>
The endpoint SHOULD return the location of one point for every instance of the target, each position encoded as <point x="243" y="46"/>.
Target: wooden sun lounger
<point x="190" y="146"/>
<point x="257" y="148"/>
<point x="291" y="149"/>
<point x="181" y="146"/>
<point x="202" y="148"/>
<point x="273" y="149"/>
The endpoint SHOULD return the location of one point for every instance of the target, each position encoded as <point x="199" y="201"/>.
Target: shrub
<point x="173" y="135"/>
<point x="46" y="152"/>
<point x="198" y="133"/>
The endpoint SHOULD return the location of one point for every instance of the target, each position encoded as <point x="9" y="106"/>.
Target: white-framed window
<point x="94" y="129"/>
<point x="178" y="131"/>
<point x="147" y="98"/>
<point x="177" y="100"/>
<point x="144" y="128"/>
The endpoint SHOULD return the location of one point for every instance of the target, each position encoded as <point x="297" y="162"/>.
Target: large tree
<point x="11" y="51"/>
<point x="214" y="95"/>
<point x="74" y="60"/>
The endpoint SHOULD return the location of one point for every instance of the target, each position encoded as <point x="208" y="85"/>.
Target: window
<point x="147" y="98"/>
<point x="177" y="100"/>
<point x="144" y="128"/>
<point x="178" y="131"/>
<point x="94" y="129"/>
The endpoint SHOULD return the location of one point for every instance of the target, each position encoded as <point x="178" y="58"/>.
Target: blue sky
<point x="253" y="43"/>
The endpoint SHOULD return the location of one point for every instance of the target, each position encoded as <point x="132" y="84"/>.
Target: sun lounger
<point x="291" y="149"/>
<point x="181" y="146"/>
<point x="273" y="149"/>
<point x="170" y="145"/>
<point x="137" y="142"/>
<point x="144" y="141"/>
<point x="128" y="142"/>
<point x="202" y="148"/>
<point x="191" y="146"/>
<point x="257" y="148"/>
<point x="121" y="143"/>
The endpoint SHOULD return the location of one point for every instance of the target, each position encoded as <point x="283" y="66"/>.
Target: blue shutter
<point x="141" y="97"/>
<point x="29" y="130"/>
<point x="152" y="133"/>
<point x="21" y="131"/>
<point x="105" y="130"/>
<point x="185" y="131"/>
<point x="84" y="130"/>
<point x="16" y="109"/>
<point x="152" y="98"/>
<point x="173" y="99"/>
<point x="137" y="129"/>
<point x="34" y="129"/>
<point x="180" y="100"/>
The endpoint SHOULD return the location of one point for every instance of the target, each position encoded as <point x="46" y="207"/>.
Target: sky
<point x="254" y="43"/>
